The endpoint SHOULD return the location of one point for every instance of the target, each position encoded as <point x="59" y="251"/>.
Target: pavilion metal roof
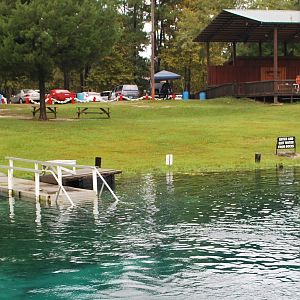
<point x="252" y="25"/>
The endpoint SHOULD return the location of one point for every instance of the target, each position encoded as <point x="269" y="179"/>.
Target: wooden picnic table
<point x="93" y="110"/>
<point x="52" y="109"/>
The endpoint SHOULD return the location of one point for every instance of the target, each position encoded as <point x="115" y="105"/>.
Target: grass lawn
<point x="211" y="135"/>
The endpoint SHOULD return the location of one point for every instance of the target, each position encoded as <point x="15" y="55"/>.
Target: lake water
<point x="209" y="236"/>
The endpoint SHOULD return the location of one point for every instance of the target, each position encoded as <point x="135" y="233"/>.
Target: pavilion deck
<point x="284" y="89"/>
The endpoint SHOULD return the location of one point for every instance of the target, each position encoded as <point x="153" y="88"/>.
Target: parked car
<point x="3" y="100"/>
<point x="105" y="95"/>
<point x="92" y="96"/>
<point x="61" y="95"/>
<point x="130" y="91"/>
<point x="21" y="96"/>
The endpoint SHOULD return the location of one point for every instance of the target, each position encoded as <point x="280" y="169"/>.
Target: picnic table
<point x="52" y="109"/>
<point x="93" y="110"/>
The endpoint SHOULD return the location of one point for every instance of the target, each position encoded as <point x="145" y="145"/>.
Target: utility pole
<point x="152" y="48"/>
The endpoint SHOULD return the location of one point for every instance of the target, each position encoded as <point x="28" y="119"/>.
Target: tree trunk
<point x="43" y="115"/>
<point x="185" y="78"/>
<point x="86" y="73"/>
<point x="66" y="80"/>
<point x="189" y="74"/>
<point x="81" y="81"/>
<point x="135" y="52"/>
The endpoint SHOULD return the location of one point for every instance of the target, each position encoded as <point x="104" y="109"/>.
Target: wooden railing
<point x="256" y="89"/>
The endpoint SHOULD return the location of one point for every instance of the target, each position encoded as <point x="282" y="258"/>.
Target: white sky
<point x="147" y="52"/>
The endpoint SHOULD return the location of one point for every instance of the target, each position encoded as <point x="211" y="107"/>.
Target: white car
<point x="105" y="95"/>
<point x="130" y="91"/>
<point x="21" y="96"/>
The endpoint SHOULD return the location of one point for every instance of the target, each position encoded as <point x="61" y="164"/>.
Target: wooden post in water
<point x="98" y="162"/>
<point x="257" y="157"/>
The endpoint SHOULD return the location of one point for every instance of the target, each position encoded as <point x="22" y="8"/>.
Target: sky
<point x="147" y="52"/>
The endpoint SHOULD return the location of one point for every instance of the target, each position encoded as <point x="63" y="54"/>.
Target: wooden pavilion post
<point x="207" y="61"/>
<point x="275" y="64"/>
<point x="233" y="53"/>
<point x="285" y="48"/>
<point x="259" y="49"/>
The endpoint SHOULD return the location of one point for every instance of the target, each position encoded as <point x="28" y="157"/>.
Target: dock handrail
<point x="36" y="172"/>
<point x="95" y="169"/>
<point x="57" y="174"/>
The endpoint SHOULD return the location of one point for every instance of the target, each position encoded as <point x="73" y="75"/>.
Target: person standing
<point x="166" y="89"/>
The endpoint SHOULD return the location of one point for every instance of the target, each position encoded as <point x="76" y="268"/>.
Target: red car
<point x="62" y="95"/>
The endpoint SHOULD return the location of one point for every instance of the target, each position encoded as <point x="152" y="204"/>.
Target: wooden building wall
<point x="247" y="69"/>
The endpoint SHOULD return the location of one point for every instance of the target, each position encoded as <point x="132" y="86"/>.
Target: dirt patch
<point x="289" y="154"/>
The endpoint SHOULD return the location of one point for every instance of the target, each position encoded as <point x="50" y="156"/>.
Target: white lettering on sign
<point x="288" y="142"/>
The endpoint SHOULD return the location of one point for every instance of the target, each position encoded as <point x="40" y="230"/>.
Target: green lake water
<point x="181" y="236"/>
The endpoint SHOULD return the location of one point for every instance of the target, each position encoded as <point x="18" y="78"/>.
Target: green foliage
<point x="181" y="54"/>
<point x="36" y="35"/>
<point x="84" y="31"/>
<point x="124" y="64"/>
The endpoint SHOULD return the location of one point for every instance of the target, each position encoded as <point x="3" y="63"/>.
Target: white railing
<point x="57" y="168"/>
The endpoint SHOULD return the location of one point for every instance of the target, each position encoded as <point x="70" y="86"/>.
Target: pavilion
<point x="259" y="76"/>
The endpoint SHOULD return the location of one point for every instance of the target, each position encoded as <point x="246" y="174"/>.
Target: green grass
<point x="212" y="135"/>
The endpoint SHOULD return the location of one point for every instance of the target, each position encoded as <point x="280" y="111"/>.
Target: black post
<point x="98" y="162"/>
<point x="257" y="157"/>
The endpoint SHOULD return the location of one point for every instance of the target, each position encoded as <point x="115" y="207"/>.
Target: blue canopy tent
<point x="165" y="75"/>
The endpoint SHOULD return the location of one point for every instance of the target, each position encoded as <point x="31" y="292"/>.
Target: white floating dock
<point x="58" y="169"/>
<point x="48" y="192"/>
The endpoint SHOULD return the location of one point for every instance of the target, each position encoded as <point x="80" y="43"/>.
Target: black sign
<point x="286" y="142"/>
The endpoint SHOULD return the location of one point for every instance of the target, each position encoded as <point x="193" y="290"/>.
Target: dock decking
<point x="48" y="192"/>
<point x="79" y="186"/>
<point x="83" y="178"/>
<point x="55" y="178"/>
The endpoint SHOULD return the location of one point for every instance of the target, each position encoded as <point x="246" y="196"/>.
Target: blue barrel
<point x="80" y="96"/>
<point x="202" y="95"/>
<point x="185" y="95"/>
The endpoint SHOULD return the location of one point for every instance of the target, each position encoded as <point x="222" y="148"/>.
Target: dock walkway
<point x="83" y="178"/>
<point x="66" y="180"/>
<point x="48" y="192"/>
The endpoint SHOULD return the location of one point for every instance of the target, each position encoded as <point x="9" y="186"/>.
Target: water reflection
<point x="227" y="236"/>
<point x="96" y="209"/>
<point x="38" y="213"/>
<point x="169" y="182"/>
<point x="11" y="201"/>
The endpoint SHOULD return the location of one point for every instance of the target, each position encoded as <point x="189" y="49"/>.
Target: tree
<point x="26" y="45"/>
<point x="177" y="51"/>
<point x="124" y="64"/>
<point x="84" y="31"/>
<point x="180" y="53"/>
<point x="37" y="34"/>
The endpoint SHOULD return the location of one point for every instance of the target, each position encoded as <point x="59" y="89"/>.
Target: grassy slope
<point x="202" y="135"/>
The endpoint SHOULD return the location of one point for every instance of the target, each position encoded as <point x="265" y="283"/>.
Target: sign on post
<point x="286" y="142"/>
